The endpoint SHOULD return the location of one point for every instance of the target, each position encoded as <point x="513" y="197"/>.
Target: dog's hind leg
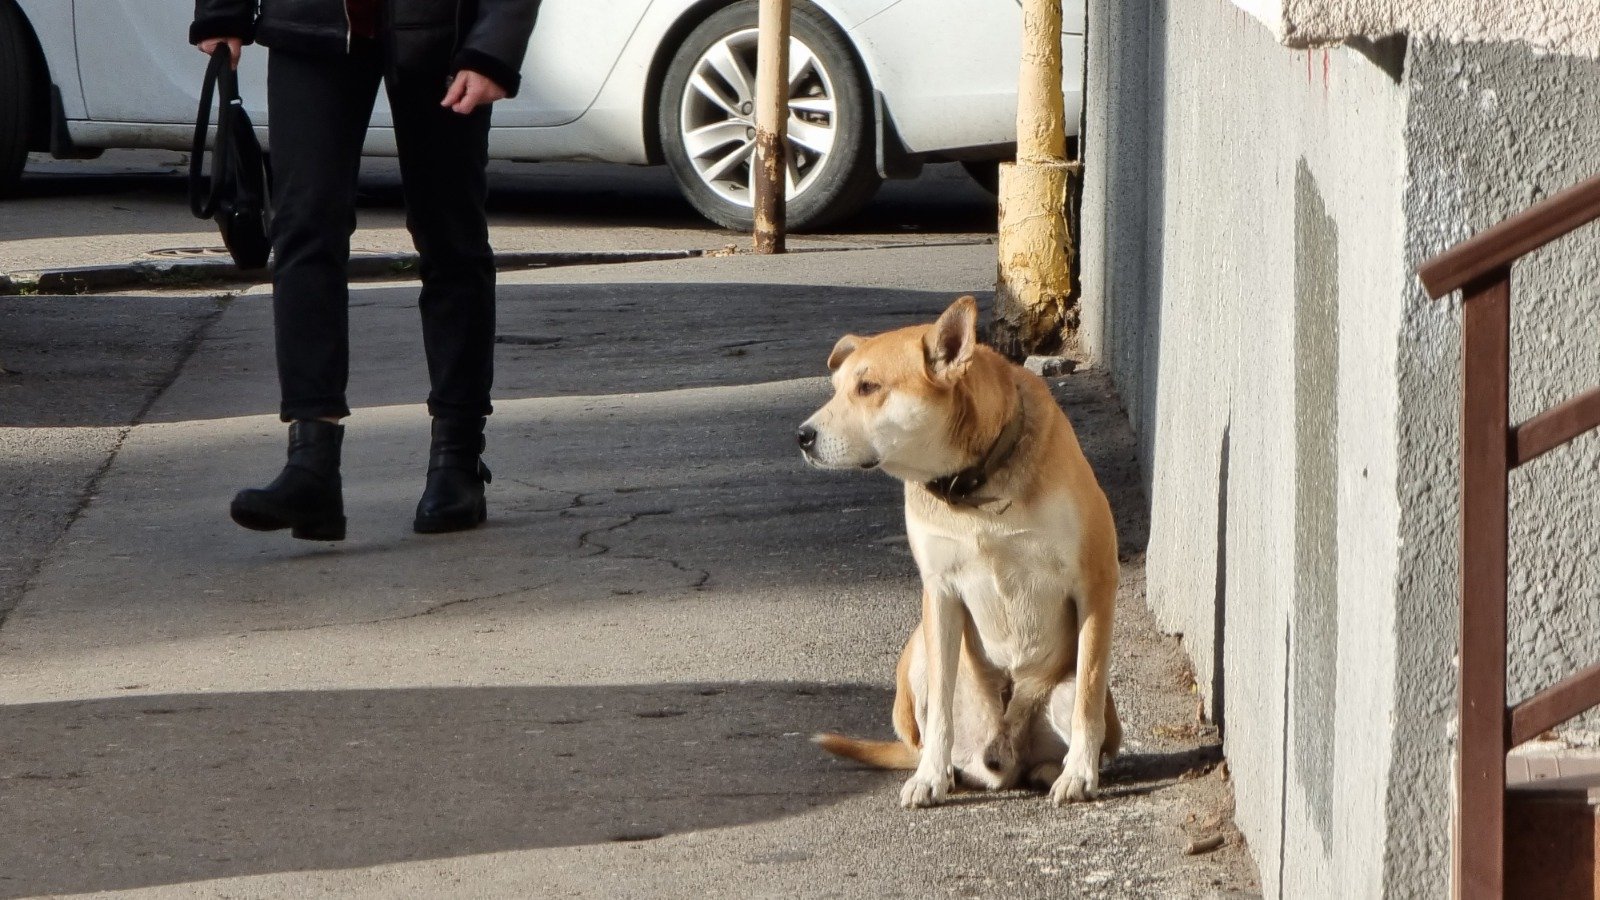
<point x="1017" y="746"/>
<point x="1051" y="731"/>
<point x="1043" y="775"/>
<point x="984" y="751"/>
<point x="1054" y="730"/>
<point x="906" y="675"/>
<point x="1113" y="739"/>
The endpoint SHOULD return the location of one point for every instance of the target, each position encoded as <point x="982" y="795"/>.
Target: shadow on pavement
<point x="99" y="361"/>
<point x="559" y="195"/>
<point x="149" y="790"/>
<point x="91" y="361"/>
<point x="553" y="340"/>
<point x="170" y="183"/>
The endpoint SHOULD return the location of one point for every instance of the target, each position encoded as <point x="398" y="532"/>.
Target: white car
<point x="877" y="87"/>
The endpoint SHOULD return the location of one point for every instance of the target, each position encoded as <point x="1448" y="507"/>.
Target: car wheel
<point x="16" y="93"/>
<point x="707" y="119"/>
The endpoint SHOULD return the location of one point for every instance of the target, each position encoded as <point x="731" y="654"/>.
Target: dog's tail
<point x="881" y="754"/>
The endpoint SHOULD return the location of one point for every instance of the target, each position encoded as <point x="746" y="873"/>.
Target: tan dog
<point x="1006" y="676"/>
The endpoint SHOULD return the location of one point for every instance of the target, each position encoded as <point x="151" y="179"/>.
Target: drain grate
<point x="204" y="252"/>
<point x="188" y="252"/>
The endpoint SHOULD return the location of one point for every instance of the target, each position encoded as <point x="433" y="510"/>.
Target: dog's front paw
<point x="923" y="790"/>
<point x="1079" y="780"/>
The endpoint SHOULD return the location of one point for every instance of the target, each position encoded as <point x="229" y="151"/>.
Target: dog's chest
<point x="1014" y="574"/>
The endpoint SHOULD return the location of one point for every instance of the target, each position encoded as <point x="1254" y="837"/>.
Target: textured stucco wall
<point x="1569" y="27"/>
<point x="1492" y="128"/>
<point x="1242" y="267"/>
<point x="1252" y="217"/>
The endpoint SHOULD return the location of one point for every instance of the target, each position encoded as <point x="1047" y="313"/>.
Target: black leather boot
<point x="307" y="496"/>
<point x="453" y="499"/>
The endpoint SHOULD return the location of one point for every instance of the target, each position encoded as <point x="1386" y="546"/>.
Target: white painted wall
<point x="1235" y="192"/>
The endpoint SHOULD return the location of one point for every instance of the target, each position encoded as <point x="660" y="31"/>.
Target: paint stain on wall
<point x="1316" y="546"/>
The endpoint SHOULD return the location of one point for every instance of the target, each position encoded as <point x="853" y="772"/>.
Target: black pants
<point x="319" y="109"/>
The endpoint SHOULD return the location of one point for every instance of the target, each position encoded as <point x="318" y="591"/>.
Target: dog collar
<point x="961" y="488"/>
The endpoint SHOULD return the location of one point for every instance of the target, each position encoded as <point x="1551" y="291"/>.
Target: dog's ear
<point x="951" y="341"/>
<point x="846" y="346"/>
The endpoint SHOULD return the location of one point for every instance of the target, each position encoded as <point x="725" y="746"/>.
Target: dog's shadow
<point x="1138" y="774"/>
<point x="148" y="790"/>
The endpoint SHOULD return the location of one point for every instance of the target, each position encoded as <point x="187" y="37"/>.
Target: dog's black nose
<point x="807" y="437"/>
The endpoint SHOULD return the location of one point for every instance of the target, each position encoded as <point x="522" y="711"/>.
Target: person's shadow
<point x="149" y="790"/>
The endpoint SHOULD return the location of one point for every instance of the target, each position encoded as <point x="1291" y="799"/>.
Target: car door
<point x="948" y="68"/>
<point x="575" y="45"/>
<point x="137" y="64"/>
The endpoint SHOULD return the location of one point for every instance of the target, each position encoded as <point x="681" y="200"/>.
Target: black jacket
<point x="489" y="37"/>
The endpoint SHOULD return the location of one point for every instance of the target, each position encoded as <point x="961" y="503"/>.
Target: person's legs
<point x="319" y="111"/>
<point x="319" y="108"/>
<point x="442" y="160"/>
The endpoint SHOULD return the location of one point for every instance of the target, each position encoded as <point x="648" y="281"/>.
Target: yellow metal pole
<point x="772" y="126"/>
<point x="1034" y="284"/>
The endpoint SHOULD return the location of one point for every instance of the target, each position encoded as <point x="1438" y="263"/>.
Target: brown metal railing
<point x="1480" y="267"/>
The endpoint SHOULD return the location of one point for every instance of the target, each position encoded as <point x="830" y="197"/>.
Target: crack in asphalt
<point x="436" y="608"/>
<point x="586" y="540"/>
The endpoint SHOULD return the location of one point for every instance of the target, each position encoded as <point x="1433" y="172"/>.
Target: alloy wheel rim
<point x="717" y="119"/>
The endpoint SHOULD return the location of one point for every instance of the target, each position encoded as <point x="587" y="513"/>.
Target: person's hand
<point x="470" y="90"/>
<point x="210" y="45"/>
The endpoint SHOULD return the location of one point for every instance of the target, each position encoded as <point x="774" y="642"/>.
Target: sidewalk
<point x="604" y="693"/>
<point x="132" y="206"/>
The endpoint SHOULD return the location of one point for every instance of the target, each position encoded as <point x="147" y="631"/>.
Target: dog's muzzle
<point x="808" y="438"/>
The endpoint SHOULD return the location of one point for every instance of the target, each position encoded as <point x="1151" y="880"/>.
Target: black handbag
<point x="238" y="193"/>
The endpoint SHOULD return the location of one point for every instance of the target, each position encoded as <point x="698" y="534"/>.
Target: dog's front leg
<point x="1080" y="774"/>
<point x="943" y="622"/>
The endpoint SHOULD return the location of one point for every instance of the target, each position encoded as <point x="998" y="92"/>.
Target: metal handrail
<point x="1480" y="267"/>
<point x="1500" y="246"/>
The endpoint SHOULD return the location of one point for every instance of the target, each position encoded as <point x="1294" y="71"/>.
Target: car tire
<point x="833" y="154"/>
<point x="16" y="95"/>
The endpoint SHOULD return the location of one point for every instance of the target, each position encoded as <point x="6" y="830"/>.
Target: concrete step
<point x="1552" y="838"/>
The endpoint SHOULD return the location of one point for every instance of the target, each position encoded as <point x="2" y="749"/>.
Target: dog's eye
<point x="866" y="388"/>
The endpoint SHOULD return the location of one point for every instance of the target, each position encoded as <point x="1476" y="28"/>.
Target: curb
<point x="366" y="267"/>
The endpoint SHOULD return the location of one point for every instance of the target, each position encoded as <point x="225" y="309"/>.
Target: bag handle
<point x="203" y="200"/>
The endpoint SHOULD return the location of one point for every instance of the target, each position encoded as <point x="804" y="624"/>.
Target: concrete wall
<point x="1252" y="217"/>
<point x="1492" y="128"/>
<point x="1241" y="260"/>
